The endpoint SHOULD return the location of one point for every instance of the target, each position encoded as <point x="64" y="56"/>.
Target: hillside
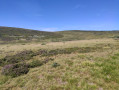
<point x="11" y="33"/>
<point x="20" y="34"/>
<point x="83" y="35"/>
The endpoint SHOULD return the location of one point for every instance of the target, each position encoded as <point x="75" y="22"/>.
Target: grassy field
<point x="70" y="65"/>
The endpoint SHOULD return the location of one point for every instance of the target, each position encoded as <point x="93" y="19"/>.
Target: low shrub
<point x="19" y="57"/>
<point x="41" y="52"/>
<point x="23" y="44"/>
<point x="35" y="63"/>
<point x="15" y="70"/>
<point x="43" y="43"/>
<point x="46" y="60"/>
<point x="55" y="65"/>
<point x="68" y="51"/>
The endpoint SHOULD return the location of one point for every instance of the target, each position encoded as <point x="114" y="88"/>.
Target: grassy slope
<point x="77" y="71"/>
<point x="14" y="33"/>
<point x="82" y="35"/>
<point x="10" y="33"/>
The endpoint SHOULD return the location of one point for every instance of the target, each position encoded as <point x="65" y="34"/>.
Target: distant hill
<point x="11" y="33"/>
<point x="20" y="34"/>
<point x="82" y="35"/>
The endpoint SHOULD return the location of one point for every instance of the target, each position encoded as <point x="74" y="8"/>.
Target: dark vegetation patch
<point x="35" y="63"/>
<point x="28" y="54"/>
<point x="116" y="37"/>
<point x="43" y="43"/>
<point x="68" y="51"/>
<point x="46" y="60"/>
<point x="12" y="63"/>
<point x="41" y="52"/>
<point x="55" y="64"/>
<point x="18" y="69"/>
<point x="15" y="70"/>
<point x="19" y="57"/>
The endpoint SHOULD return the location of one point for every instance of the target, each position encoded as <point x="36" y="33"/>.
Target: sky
<point x="57" y="15"/>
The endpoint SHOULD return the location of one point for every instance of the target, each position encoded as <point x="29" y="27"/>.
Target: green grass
<point x="88" y="67"/>
<point x="85" y="35"/>
<point x="108" y="69"/>
<point x="107" y="72"/>
<point x="78" y="75"/>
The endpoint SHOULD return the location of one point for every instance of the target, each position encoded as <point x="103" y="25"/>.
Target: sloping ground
<point x="83" y="35"/>
<point x="20" y="34"/>
<point x="10" y="33"/>
<point x="76" y="70"/>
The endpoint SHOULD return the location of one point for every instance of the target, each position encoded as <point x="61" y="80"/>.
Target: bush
<point x="46" y="60"/>
<point x="41" y="52"/>
<point x="19" y="57"/>
<point x="43" y="43"/>
<point x="23" y="44"/>
<point x="35" y="63"/>
<point x="15" y="70"/>
<point x="55" y="65"/>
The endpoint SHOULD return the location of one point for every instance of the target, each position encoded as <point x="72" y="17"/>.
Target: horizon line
<point x="58" y="30"/>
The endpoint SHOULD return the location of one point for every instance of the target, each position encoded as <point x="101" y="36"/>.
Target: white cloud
<point x="49" y="29"/>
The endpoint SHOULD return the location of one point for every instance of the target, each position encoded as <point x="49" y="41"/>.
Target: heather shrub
<point x="35" y="63"/>
<point x="46" y="60"/>
<point x="15" y="70"/>
<point x="9" y="60"/>
<point x="19" y="57"/>
<point x="41" y="52"/>
<point x="23" y="44"/>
